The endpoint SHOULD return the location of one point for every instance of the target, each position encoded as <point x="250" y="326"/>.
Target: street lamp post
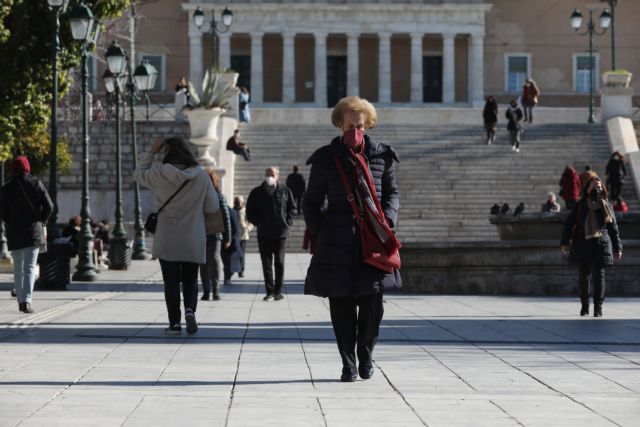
<point x="119" y="252"/>
<point x="145" y="77"/>
<point x="613" y="4"/>
<point x="227" y="19"/>
<point x="85" y="30"/>
<point x="576" y="23"/>
<point x="57" y="7"/>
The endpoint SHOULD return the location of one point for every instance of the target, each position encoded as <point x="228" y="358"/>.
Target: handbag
<point x="214" y="222"/>
<point x="152" y="220"/>
<point x="43" y="245"/>
<point x="384" y="256"/>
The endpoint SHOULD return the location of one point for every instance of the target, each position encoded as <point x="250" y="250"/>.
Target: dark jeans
<point x="569" y="204"/>
<point x="210" y="272"/>
<point x="528" y="111"/>
<point x="243" y="245"/>
<point x="491" y="134"/>
<point x="174" y="273"/>
<point x="597" y="280"/>
<point x="615" y="190"/>
<point x="356" y="321"/>
<point x="515" y="137"/>
<point x="272" y="253"/>
<point x="243" y="151"/>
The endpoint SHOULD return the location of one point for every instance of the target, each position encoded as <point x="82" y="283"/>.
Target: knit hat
<point x="586" y="177"/>
<point x="20" y="165"/>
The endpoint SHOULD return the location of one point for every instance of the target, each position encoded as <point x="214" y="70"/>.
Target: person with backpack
<point x="25" y="207"/>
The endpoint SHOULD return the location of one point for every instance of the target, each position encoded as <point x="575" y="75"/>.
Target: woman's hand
<point x="617" y="256"/>
<point x="227" y="245"/>
<point x="156" y="146"/>
<point x="565" y="250"/>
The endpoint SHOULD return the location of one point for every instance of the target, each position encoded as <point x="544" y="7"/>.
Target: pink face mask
<point x="354" y="138"/>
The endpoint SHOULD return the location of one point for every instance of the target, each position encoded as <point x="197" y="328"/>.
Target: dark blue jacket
<point x="597" y="251"/>
<point x="337" y="269"/>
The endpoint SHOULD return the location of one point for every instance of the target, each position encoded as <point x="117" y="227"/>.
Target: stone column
<point x="256" y="68"/>
<point x="225" y="50"/>
<point x="476" y="70"/>
<point x="195" y="55"/>
<point x="321" y="70"/>
<point x="448" y="69"/>
<point x="288" y="68"/>
<point x="384" y="63"/>
<point x="353" y="64"/>
<point x="416" y="69"/>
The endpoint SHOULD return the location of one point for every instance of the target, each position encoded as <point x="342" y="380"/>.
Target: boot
<point x="21" y="306"/>
<point x="597" y="310"/>
<point x="28" y="309"/>
<point x="584" y="311"/>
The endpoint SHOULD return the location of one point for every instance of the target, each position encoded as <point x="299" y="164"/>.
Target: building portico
<point x="313" y="54"/>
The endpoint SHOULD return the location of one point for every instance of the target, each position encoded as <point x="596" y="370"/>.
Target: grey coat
<point x="337" y="269"/>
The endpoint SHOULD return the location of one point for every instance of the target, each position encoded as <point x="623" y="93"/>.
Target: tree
<point x="26" y="48"/>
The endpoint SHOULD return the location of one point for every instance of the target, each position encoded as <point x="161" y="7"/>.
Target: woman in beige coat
<point x="179" y="241"/>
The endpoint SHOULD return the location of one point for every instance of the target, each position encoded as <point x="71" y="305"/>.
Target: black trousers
<point x="174" y="273"/>
<point x="569" y="204"/>
<point x="615" y="190"/>
<point x="356" y="321"/>
<point x="243" y="245"/>
<point x="597" y="280"/>
<point x="272" y="254"/>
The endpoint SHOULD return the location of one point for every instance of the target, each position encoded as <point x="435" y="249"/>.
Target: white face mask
<point x="270" y="180"/>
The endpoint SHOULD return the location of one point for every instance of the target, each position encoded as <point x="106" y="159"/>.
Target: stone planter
<point x="204" y="133"/>
<point x="616" y="79"/>
<point x="228" y="78"/>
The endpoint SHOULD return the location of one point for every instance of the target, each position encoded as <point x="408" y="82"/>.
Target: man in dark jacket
<point x="271" y="209"/>
<point x="25" y="206"/>
<point x="234" y="144"/>
<point x="295" y="183"/>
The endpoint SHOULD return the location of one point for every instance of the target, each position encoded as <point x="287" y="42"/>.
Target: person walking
<point x="337" y="268"/>
<point x="530" y="94"/>
<point x="296" y="183"/>
<point x="232" y="253"/>
<point x="245" y="229"/>
<point x="490" y="117"/>
<point x="591" y="240"/>
<point x="243" y="104"/>
<point x="514" y="115"/>
<point x="569" y="186"/>
<point x="211" y="271"/>
<point x="185" y="194"/>
<point x="271" y="209"/>
<point x="25" y="207"/>
<point x="615" y="173"/>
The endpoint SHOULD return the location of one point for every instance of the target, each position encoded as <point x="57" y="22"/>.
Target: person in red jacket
<point x="569" y="186"/>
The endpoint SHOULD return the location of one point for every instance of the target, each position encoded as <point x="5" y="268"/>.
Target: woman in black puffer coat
<point x="592" y="231"/>
<point x="337" y="270"/>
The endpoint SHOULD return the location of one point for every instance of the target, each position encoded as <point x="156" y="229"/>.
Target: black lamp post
<point x="57" y="7"/>
<point x="85" y="30"/>
<point x="145" y="78"/>
<point x="119" y="252"/>
<point x="576" y="23"/>
<point x="227" y="19"/>
<point x="613" y="4"/>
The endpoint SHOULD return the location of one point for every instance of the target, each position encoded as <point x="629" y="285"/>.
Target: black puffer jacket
<point x="273" y="213"/>
<point x="337" y="269"/>
<point x="597" y="251"/>
<point x="24" y="226"/>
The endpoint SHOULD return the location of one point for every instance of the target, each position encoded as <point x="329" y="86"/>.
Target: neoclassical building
<point x="412" y="52"/>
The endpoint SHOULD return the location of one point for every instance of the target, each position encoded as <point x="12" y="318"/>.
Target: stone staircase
<point x="448" y="177"/>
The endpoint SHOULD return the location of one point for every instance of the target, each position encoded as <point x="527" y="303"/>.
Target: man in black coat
<point x="271" y="209"/>
<point x="295" y="183"/>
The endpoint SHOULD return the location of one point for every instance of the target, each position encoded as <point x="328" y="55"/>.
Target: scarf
<point x="591" y="227"/>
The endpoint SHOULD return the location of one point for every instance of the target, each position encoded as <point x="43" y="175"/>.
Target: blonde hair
<point x="354" y="104"/>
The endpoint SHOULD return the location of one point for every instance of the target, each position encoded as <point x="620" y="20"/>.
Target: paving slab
<point x="96" y="355"/>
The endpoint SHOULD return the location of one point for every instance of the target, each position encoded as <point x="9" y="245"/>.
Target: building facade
<point x="413" y="52"/>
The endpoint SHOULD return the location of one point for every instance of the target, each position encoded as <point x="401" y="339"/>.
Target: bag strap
<point x="173" y="195"/>
<point x="350" y="196"/>
<point x="29" y="201"/>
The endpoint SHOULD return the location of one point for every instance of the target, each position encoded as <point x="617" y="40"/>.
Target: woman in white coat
<point x="179" y="241"/>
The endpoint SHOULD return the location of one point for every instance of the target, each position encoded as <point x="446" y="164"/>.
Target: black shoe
<point x="216" y="297"/>
<point x="190" y="318"/>
<point x="365" y="371"/>
<point x="205" y="297"/>
<point x="241" y="274"/>
<point x="584" y="311"/>
<point x="28" y="309"/>
<point x="268" y="297"/>
<point x="173" y="330"/>
<point x="21" y="306"/>
<point x="597" y="311"/>
<point x="349" y="374"/>
<point x="13" y="293"/>
<point x="278" y="297"/>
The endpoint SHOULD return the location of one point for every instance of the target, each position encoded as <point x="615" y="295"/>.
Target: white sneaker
<point x="513" y="148"/>
<point x="517" y="150"/>
<point x="489" y="141"/>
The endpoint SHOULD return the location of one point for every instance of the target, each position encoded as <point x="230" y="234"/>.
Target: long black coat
<point x="232" y="256"/>
<point x="597" y="251"/>
<point x="273" y="213"/>
<point x="24" y="226"/>
<point x="337" y="269"/>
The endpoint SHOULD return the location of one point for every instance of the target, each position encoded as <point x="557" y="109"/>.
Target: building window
<point x="517" y="70"/>
<point x="158" y="61"/>
<point x="582" y="72"/>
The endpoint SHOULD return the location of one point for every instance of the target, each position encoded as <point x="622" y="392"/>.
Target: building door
<point x="432" y="78"/>
<point x="336" y="79"/>
<point x="241" y="64"/>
